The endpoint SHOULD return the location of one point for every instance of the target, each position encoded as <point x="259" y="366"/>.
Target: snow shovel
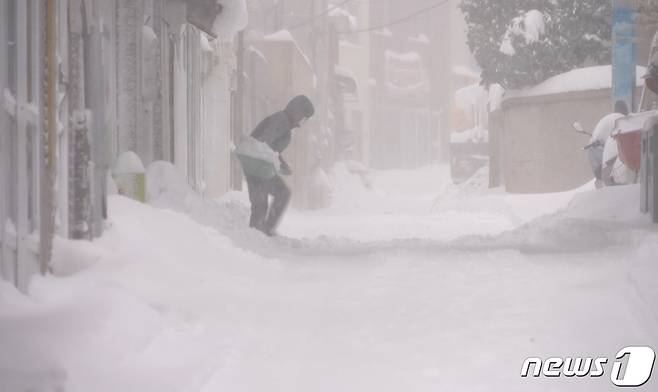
<point x="257" y="159"/>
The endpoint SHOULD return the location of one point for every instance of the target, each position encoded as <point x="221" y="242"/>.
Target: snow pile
<point x="168" y="189"/>
<point x="164" y="298"/>
<point x="475" y="186"/>
<point x="619" y="204"/>
<point x="473" y="135"/>
<point x="582" y="79"/>
<point x="90" y="332"/>
<point x="531" y="27"/>
<point x="169" y="304"/>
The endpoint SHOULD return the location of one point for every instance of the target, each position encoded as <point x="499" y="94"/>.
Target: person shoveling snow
<point x="263" y="165"/>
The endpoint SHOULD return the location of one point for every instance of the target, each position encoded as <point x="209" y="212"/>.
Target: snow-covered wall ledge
<point x="542" y="152"/>
<point x="598" y="78"/>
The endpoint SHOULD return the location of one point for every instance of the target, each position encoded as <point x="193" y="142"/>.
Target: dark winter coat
<point x="275" y="130"/>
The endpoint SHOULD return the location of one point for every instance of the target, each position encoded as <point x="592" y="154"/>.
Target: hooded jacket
<point x="275" y="130"/>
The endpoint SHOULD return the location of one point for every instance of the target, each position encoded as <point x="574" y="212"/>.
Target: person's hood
<point x="299" y="108"/>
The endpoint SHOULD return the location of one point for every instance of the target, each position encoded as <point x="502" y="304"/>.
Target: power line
<point x="316" y="16"/>
<point x="397" y="21"/>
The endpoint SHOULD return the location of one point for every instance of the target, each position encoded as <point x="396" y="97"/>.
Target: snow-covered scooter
<point x="611" y="168"/>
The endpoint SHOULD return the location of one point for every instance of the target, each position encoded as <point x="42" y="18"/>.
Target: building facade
<point x="85" y="81"/>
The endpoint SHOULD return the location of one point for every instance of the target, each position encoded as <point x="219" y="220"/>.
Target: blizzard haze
<point x="325" y="195"/>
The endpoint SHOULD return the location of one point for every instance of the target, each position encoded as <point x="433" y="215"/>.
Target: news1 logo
<point x="632" y="367"/>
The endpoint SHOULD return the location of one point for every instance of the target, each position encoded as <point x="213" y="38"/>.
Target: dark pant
<point x="266" y="216"/>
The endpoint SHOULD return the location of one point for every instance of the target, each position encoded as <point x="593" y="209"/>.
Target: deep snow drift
<point x="407" y="283"/>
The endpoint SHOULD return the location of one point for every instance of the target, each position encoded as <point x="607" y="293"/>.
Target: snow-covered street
<point x="432" y="288"/>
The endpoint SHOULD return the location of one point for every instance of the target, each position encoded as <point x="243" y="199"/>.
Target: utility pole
<point x="238" y="113"/>
<point x="79" y="148"/>
<point x="321" y="47"/>
<point x="49" y="140"/>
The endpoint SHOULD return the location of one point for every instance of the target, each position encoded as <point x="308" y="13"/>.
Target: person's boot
<point x="281" y="197"/>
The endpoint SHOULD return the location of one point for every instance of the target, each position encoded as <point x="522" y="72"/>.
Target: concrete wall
<point x="538" y="149"/>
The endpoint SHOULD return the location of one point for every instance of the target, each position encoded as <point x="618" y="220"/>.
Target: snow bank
<point x="168" y="189"/>
<point x="473" y="135"/>
<point x="617" y="204"/>
<point x="173" y="305"/>
<point x="70" y="335"/>
<point x="583" y="79"/>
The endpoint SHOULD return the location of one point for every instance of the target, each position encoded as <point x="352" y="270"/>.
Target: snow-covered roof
<point x="583" y="79"/>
